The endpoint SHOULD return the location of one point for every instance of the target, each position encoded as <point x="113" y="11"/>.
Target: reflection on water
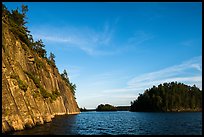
<point x="60" y="125"/>
<point x="121" y="123"/>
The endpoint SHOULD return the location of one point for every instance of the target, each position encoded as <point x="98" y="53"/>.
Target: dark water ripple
<point x="121" y="123"/>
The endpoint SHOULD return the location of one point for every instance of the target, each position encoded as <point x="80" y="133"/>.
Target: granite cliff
<point x="33" y="90"/>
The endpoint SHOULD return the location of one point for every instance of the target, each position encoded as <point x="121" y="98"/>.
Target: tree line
<point x="171" y="96"/>
<point x="72" y="86"/>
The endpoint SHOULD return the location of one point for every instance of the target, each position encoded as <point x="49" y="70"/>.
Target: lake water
<point x="121" y="123"/>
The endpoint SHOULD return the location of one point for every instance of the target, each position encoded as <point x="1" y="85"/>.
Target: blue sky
<point x="114" y="51"/>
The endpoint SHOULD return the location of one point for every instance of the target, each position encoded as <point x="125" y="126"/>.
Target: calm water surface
<point x="121" y="123"/>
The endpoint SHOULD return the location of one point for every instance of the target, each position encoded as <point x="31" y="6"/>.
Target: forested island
<point x="106" y="107"/>
<point x="169" y="97"/>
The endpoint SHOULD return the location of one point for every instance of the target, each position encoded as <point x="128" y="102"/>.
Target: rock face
<point x="23" y="106"/>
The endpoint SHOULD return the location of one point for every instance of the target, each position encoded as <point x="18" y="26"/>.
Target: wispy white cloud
<point x="139" y="37"/>
<point x="189" y="72"/>
<point x="89" y="40"/>
<point x="84" y="38"/>
<point x="55" y="38"/>
<point x="174" y="71"/>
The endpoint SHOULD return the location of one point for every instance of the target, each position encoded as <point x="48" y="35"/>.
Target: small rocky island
<point x="169" y="97"/>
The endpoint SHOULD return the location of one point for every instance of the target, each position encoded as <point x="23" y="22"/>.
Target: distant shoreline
<point x="186" y="110"/>
<point x="119" y="108"/>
